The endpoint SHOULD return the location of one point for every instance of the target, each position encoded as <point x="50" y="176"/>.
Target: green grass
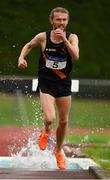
<point x="26" y="110"/>
<point x="90" y="113"/>
<point x="88" y="138"/>
<point x="99" y="153"/>
<point x="15" y="111"/>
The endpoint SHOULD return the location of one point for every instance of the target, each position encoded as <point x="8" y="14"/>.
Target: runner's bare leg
<point x="47" y="104"/>
<point x="63" y="105"/>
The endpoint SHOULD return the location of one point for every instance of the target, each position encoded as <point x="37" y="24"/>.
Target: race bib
<point x="56" y="63"/>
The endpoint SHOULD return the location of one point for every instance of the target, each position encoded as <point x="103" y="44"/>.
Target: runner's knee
<point x="49" y="119"/>
<point x="63" y="122"/>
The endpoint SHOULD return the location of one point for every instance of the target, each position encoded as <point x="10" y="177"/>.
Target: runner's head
<point x="59" y="18"/>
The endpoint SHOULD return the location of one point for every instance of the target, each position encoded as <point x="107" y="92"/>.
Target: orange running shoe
<point x="60" y="160"/>
<point x="43" y="140"/>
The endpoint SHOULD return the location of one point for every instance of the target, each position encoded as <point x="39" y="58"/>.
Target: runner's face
<point x="60" y="20"/>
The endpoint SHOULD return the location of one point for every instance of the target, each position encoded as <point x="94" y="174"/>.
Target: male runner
<point x="58" y="49"/>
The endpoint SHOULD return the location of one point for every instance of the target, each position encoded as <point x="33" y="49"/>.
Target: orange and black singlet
<point x="55" y="62"/>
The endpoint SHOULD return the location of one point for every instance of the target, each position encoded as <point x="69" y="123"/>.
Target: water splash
<point x="37" y="114"/>
<point x="30" y="156"/>
<point x="22" y="108"/>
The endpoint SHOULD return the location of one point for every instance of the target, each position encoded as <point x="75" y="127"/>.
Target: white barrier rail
<point x="90" y="88"/>
<point x="74" y="85"/>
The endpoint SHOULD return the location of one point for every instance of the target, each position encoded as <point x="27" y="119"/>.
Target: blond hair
<point x="58" y="9"/>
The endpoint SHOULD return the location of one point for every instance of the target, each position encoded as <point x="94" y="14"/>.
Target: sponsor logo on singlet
<point x="50" y="49"/>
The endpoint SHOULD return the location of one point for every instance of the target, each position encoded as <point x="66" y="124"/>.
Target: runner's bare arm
<point x="37" y="40"/>
<point x="72" y="46"/>
<point x="71" y="43"/>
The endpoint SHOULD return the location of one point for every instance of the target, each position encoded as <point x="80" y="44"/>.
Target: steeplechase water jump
<point x="41" y="152"/>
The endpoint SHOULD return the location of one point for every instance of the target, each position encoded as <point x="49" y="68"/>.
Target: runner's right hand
<point x="22" y="63"/>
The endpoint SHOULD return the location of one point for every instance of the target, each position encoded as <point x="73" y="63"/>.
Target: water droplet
<point x="13" y="46"/>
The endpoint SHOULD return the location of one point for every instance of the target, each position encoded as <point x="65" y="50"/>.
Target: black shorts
<point x="55" y="88"/>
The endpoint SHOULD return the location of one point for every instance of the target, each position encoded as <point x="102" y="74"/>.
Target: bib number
<point x="55" y="64"/>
